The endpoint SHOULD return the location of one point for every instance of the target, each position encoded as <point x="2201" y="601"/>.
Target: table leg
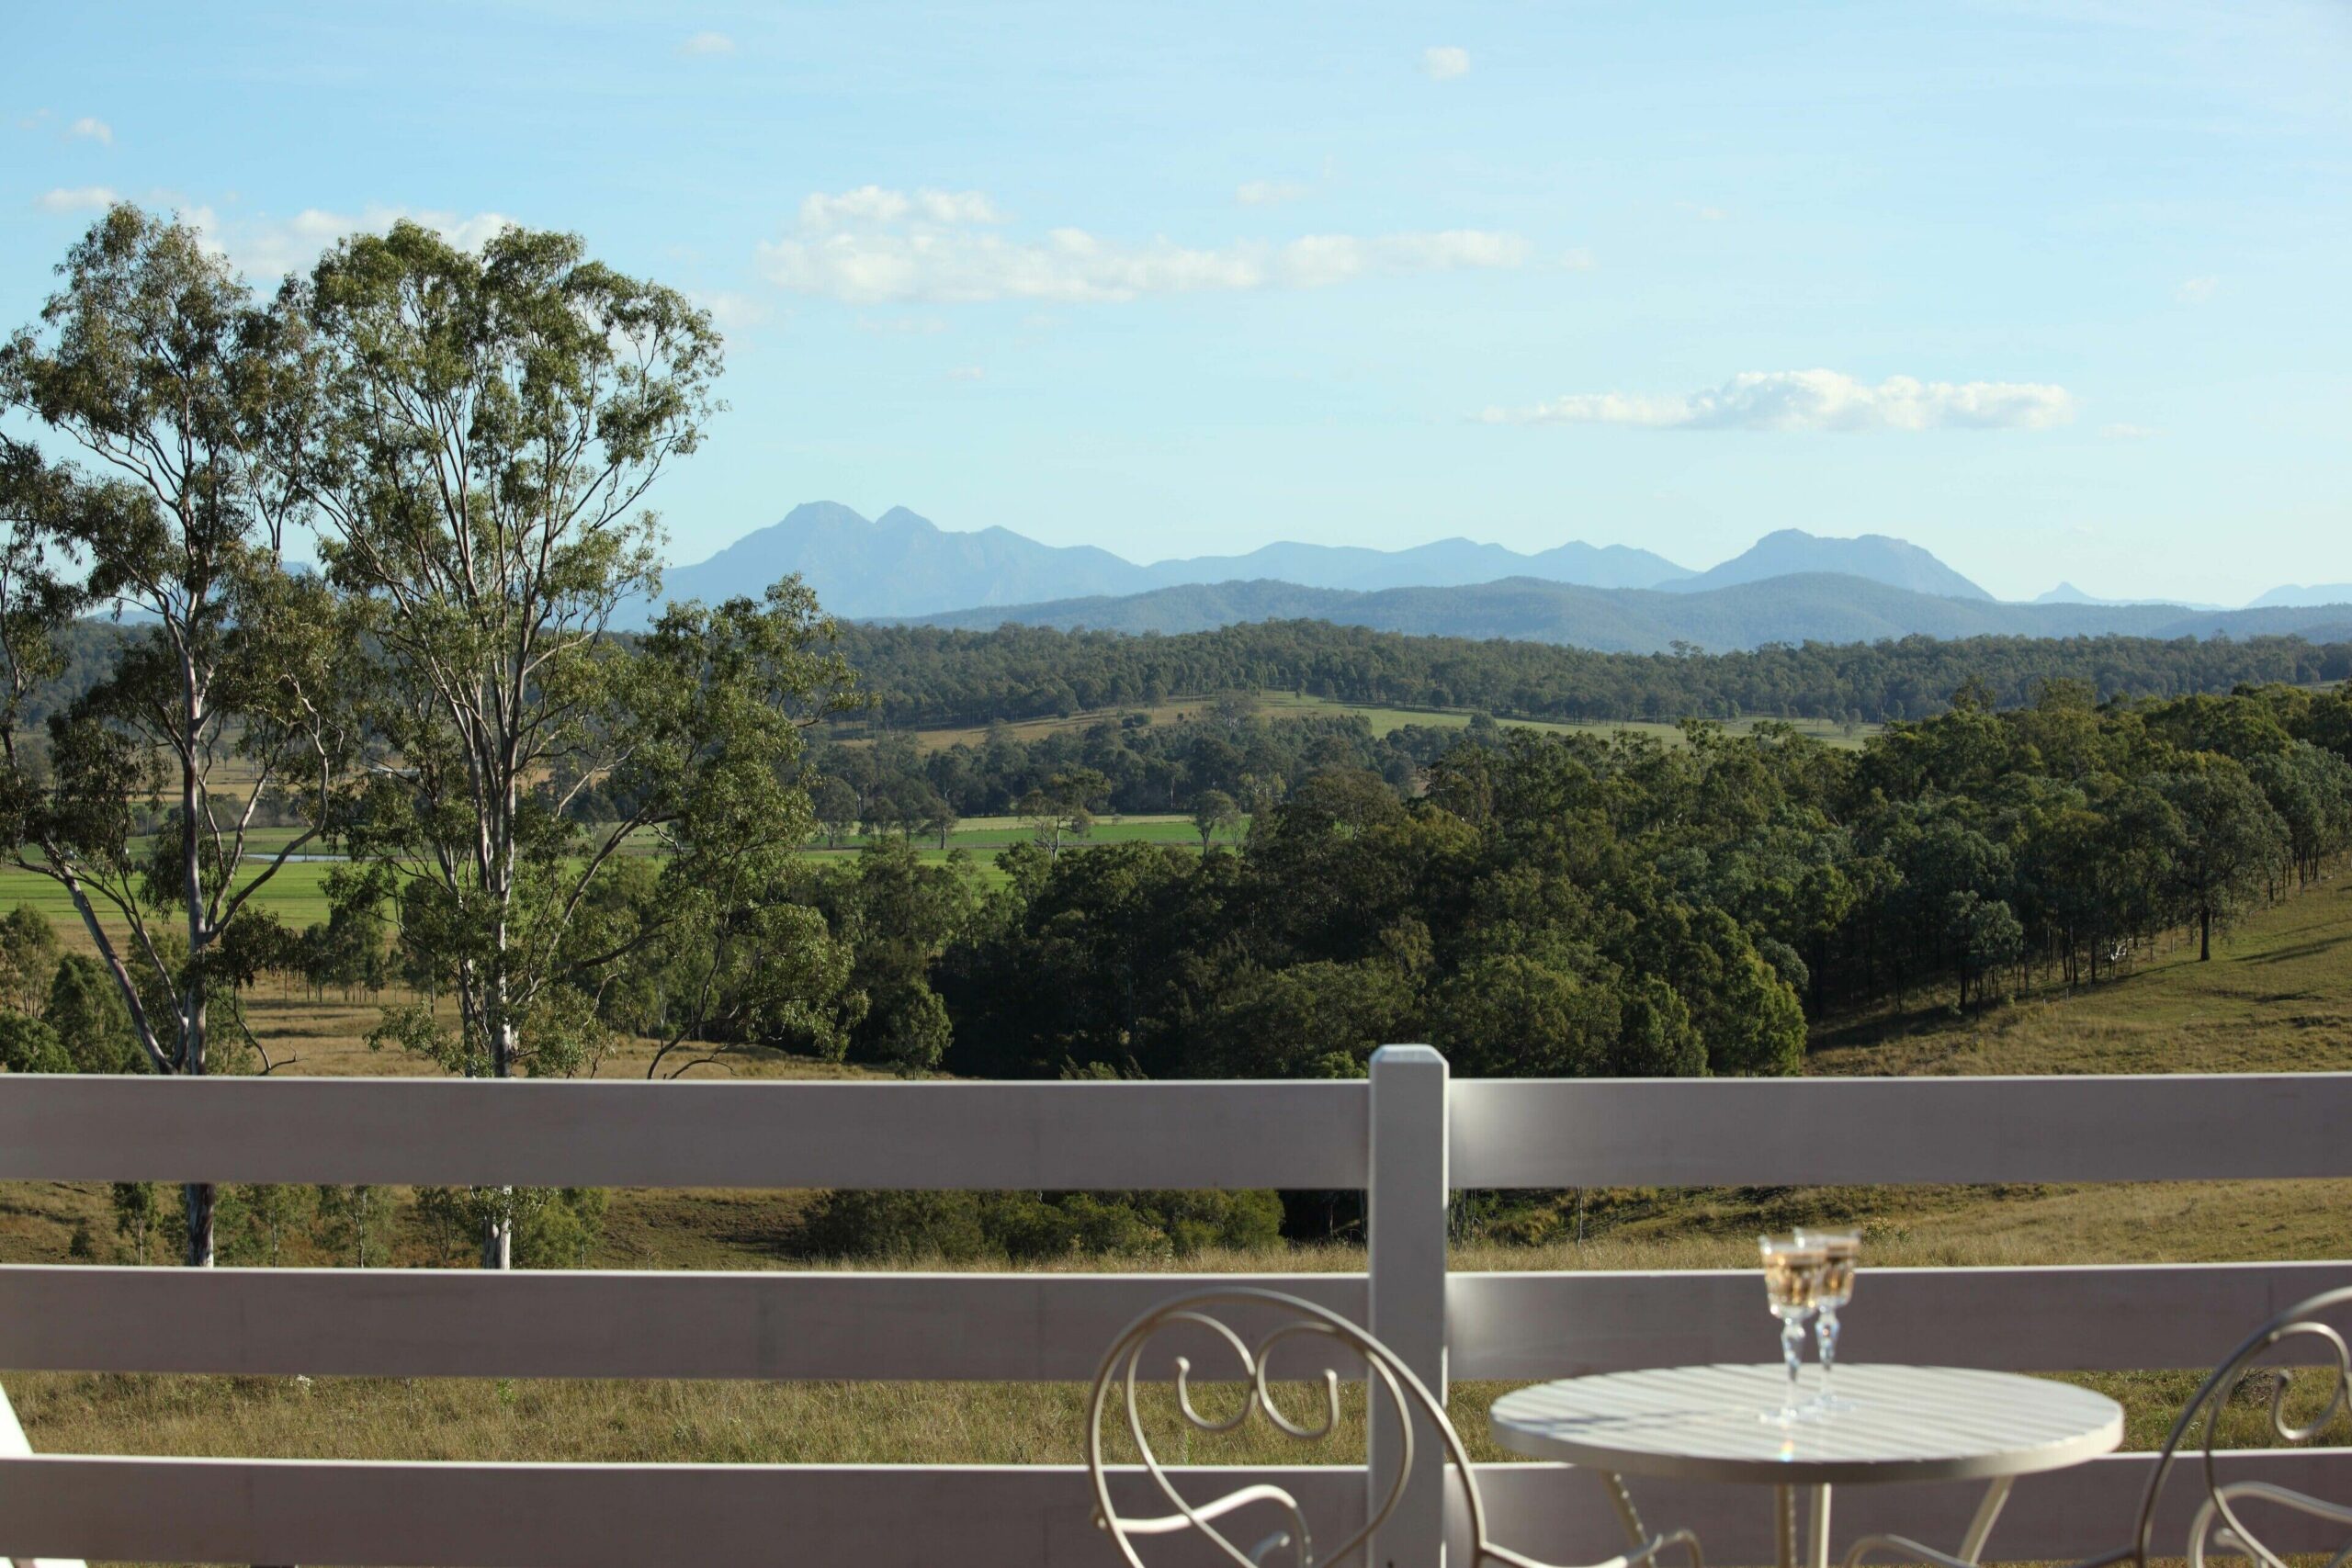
<point x="1784" y="1523"/>
<point x="1988" y="1512"/>
<point x="1817" y="1530"/>
<point x="1622" y="1501"/>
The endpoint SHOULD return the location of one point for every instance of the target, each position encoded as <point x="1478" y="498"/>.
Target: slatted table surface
<point x="1906" y="1423"/>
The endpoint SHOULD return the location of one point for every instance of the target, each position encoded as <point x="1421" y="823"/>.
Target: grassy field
<point x="1383" y="719"/>
<point x="2277" y="996"/>
<point x="297" y="892"/>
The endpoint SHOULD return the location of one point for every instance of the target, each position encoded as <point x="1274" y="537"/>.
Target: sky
<point x="2056" y="289"/>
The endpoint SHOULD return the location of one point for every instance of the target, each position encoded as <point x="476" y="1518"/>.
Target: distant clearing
<point x="1383" y="721"/>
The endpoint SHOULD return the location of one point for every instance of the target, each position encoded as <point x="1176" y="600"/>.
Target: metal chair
<point x="1406" y="1396"/>
<point x="2217" y="1524"/>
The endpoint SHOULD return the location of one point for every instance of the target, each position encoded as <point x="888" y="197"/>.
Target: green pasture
<point x="297" y="894"/>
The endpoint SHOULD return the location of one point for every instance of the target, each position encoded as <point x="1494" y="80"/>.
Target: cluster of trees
<point x="925" y="676"/>
<point x="463" y="440"/>
<point x="1226" y="750"/>
<point x="1574" y="905"/>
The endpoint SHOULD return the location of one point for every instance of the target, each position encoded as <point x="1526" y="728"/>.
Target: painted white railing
<point x="1407" y="1137"/>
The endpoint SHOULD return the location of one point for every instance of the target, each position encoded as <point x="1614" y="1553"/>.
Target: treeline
<point x="920" y="676"/>
<point x="1570" y="904"/>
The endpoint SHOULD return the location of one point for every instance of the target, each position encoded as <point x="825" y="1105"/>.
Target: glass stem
<point x="1792" y="1352"/>
<point x="1826" y="1330"/>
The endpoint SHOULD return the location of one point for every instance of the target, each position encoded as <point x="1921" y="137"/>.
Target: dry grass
<point x="2276" y="997"/>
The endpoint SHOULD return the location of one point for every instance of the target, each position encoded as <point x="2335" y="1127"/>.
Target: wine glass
<point x="1792" y="1274"/>
<point x="1839" y="1249"/>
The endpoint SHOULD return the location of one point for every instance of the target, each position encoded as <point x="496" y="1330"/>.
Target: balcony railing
<point x="1407" y="1137"/>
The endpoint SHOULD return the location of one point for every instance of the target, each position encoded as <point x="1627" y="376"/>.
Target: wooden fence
<point x="1407" y="1137"/>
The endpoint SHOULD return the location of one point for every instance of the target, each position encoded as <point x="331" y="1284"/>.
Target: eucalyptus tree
<point x="498" y="417"/>
<point x="183" y="408"/>
<point x="2233" y="847"/>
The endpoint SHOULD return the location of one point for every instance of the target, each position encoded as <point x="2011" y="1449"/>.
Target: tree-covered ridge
<point x="1568" y="905"/>
<point x="920" y="675"/>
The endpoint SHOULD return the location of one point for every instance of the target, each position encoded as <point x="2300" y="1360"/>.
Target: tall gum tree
<point x="183" y="408"/>
<point x="499" y="417"/>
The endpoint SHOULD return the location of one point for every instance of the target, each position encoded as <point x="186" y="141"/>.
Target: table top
<point x="1906" y="1423"/>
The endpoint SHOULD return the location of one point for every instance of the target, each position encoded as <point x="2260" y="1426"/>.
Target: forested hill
<point x="923" y="675"/>
<point x="1803" y="607"/>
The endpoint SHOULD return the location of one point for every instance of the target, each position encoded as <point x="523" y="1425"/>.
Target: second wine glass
<point x="1840" y="1250"/>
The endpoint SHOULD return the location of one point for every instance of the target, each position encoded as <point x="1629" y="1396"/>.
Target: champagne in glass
<point x="1840" y="1248"/>
<point x="1792" y="1276"/>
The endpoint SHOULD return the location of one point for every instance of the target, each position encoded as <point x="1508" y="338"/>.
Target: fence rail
<point x="608" y="1516"/>
<point x="1407" y="1138"/>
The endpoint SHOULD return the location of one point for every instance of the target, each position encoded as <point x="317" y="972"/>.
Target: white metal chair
<point x="2218" y="1524"/>
<point x="1294" y="1320"/>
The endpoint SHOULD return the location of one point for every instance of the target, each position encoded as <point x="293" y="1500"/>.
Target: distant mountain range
<point x="2067" y="593"/>
<point x="902" y="564"/>
<point x="2297" y="594"/>
<point x="1792" y="552"/>
<point x="1791" y="586"/>
<point x="1804" y="607"/>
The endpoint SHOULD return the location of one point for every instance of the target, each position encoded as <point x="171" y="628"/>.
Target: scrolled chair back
<point x="2219" y="1521"/>
<point x="1280" y="1532"/>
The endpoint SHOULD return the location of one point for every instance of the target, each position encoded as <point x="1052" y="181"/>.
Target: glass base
<point x="1827" y="1404"/>
<point x="1796" y="1417"/>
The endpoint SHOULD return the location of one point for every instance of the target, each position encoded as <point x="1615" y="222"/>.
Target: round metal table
<point x="1906" y="1423"/>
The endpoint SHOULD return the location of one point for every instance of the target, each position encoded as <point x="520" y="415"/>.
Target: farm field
<point x="2277" y="997"/>
<point x="296" y="892"/>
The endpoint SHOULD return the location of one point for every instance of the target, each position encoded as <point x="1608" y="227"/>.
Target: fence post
<point x="1405" y="1213"/>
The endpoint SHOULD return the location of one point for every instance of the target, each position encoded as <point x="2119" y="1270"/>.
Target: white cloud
<point x="1813" y="399"/>
<point x="265" y="247"/>
<point x="97" y="130"/>
<point x="706" y="44"/>
<point x="733" y="311"/>
<point x="869" y="205"/>
<point x="2127" y="431"/>
<point x="876" y="246"/>
<point x="1269" y="192"/>
<point x="79" y="198"/>
<point x="968" y="373"/>
<point x="1579" y="260"/>
<point x="1444" y="63"/>
<point x="2197" y="290"/>
<point x="1704" y="213"/>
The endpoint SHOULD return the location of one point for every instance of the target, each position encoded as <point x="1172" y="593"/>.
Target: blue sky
<point x="2055" y="290"/>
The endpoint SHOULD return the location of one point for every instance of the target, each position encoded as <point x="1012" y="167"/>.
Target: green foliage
<point x="353" y="1225"/>
<point x="28" y="950"/>
<point x="146" y="1224"/>
<point x="30" y="1046"/>
<point x="86" y="1014"/>
<point x="256" y="1221"/>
